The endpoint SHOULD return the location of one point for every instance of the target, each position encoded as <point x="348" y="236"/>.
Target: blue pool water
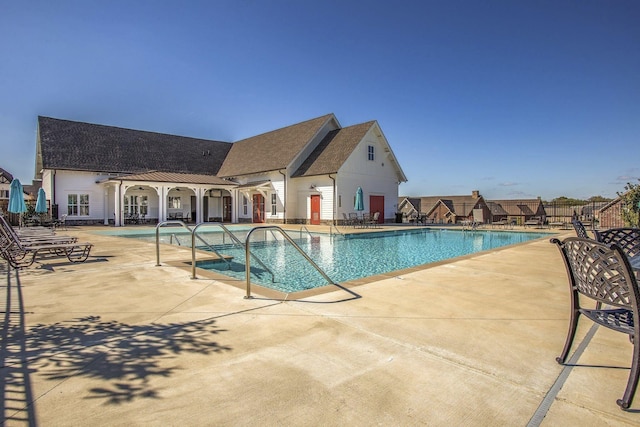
<point x="342" y="258"/>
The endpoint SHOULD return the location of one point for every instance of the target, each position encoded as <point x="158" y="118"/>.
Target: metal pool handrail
<point x="233" y="237"/>
<point x="334" y="227"/>
<point x="305" y="229"/>
<point x="290" y="240"/>
<point x="193" y="245"/>
<point x="162" y="224"/>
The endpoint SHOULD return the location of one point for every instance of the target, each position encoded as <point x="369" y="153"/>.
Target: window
<point x="274" y="204"/>
<point x="136" y="205"/>
<point x="370" y="153"/>
<point x="78" y="204"/>
<point x="245" y="202"/>
<point x="339" y="201"/>
<point x="175" y="203"/>
<point x="4" y="194"/>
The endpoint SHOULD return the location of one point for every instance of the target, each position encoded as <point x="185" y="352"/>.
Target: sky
<point x="516" y="99"/>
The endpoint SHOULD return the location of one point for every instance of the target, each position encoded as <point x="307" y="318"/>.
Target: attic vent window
<point x="370" y="153"/>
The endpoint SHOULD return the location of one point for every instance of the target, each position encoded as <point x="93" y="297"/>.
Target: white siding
<point x="80" y="183"/>
<point x="378" y="177"/>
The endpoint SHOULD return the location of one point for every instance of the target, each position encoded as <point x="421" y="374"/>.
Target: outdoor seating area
<point x="601" y="273"/>
<point x="364" y="220"/>
<point x="385" y="337"/>
<point x="21" y="247"/>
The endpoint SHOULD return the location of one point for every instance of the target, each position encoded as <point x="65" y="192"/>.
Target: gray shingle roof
<point x="73" y="145"/>
<point x="272" y="150"/>
<point x="333" y="150"/>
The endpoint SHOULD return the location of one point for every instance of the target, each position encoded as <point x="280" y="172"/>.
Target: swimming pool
<point x="343" y="258"/>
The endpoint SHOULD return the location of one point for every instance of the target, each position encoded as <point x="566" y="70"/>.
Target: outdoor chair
<point x="347" y="221"/>
<point x="602" y="273"/>
<point x="21" y="254"/>
<point x="373" y="220"/>
<point x="533" y="221"/>
<point x="353" y="217"/>
<point x="628" y="239"/>
<point x="581" y="231"/>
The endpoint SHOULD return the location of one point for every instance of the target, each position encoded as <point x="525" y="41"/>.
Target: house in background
<point x="456" y="209"/>
<point x="517" y="210"/>
<point x="610" y="215"/>
<point x="409" y="207"/>
<point x="446" y="209"/>
<point x="304" y="173"/>
<point x="5" y="186"/>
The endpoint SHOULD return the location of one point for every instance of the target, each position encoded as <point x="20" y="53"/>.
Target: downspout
<point x="284" y="200"/>
<point x="335" y="208"/>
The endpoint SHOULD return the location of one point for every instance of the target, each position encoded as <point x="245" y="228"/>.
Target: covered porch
<point x="154" y="197"/>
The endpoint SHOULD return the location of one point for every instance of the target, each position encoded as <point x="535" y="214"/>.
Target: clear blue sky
<point x="512" y="98"/>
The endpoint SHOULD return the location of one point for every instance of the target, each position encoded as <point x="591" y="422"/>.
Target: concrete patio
<point x="119" y="341"/>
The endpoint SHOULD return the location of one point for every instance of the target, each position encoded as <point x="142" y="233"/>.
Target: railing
<point x="193" y="245"/>
<point x="288" y="239"/>
<point x="334" y="227"/>
<point x="163" y="224"/>
<point x="173" y="236"/>
<point x="305" y="229"/>
<point x="233" y="238"/>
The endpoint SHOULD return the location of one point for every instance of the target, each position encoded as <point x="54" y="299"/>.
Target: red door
<point x="376" y="204"/>
<point x="315" y="209"/>
<point x="258" y="208"/>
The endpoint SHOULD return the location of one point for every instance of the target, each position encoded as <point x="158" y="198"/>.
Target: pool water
<point x="342" y="258"/>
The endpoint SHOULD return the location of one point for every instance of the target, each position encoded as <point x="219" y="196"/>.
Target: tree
<point x="631" y="204"/>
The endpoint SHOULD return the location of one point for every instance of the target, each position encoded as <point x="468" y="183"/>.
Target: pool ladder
<point x="247" y="246"/>
<point x="194" y="236"/>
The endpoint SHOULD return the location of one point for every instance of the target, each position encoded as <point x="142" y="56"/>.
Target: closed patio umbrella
<point x="359" y="203"/>
<point x="41" y="203"/>
<point x="16" y="198"/>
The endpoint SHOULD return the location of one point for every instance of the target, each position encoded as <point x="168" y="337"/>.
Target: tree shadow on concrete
<point x="125" y="356"/>
<point x="122" y="358"/>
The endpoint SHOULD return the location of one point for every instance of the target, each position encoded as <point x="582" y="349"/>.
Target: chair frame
<point x="23" y="254"/>
<point x="602" y="273"/>
<point x="581" y="231"/>
<point x="628" y="239"/>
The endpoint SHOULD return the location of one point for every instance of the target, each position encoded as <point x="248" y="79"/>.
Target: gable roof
<point x="65" y="144"/>
<point x="458" y="205"/>
<point x="4" y="175"/>
<point x="518" y="206"/>
<point x="272" y="150"/>
<point x="333" y="150"/>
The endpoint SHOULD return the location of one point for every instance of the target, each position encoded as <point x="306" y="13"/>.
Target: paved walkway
<point x="119" y="341"/>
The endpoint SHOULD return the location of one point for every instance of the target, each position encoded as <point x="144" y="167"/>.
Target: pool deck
<point x="119" y="341"/>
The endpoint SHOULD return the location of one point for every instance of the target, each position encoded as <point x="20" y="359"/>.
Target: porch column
<point x="199" y="196"/>
<point x="162" y="203"/>
<point x="118" y="205"/>
<point x="105" y="202"/>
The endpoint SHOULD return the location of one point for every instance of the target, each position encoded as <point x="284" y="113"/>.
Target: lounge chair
<point x="533" y="222"/>
<point x="21" y="254"/>
<point x="602" y="273"/>
<point x="32" y="237"/>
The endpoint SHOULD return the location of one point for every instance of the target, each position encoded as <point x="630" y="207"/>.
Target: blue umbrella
<point x="16" y="198"/>
<point x="41" y="203"/>
<point x="359" y="203"/>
